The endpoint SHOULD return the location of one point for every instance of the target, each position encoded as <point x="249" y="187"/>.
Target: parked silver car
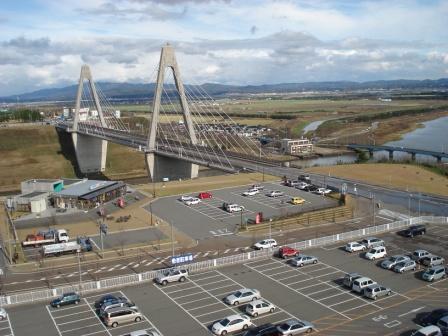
<point x="295" y="327"/>
<point x="432" y="260"/>
<point x="241" y="296"/>
<point x="417" y="255"/>
<point x="389" y="263"/>
<point x="434" y="273"/>
<point x="372" y="242"/>
<point x="376" y="291"/>
<point x="172" y="275"/>
<point x="404" y="266"/>
<point x="303" y="259"/>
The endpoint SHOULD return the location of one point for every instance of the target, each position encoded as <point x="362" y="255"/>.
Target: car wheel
<point x="254" y="298"/>
<point x="245" y="327"/>
<point x="76" y="302"/>
<point x="388" y="293"/>
<point x="115" y="324"/>
<point x="272" y="310"/>
<point x="236" y="303"/>
<point x="315" y="262"/>
<point x="138" y="319"/>
<point x="300" y="265"/>
<point x="374" y="298"/>
<point x="224" y="332"/>
<point x="182" y="279"/>
<point x="164" y="283"/>
<point x="58" y="306"/>
<point x="309" y="330"/>
<point x="401" y="271"/>
<point x="255" y="314"/>
<point x="414" y="269"/>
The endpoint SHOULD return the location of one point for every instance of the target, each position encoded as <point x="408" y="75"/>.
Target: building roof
<point x="43" y="181"/>
<point x="86" y="187"/>
<point x="69" y="181"/>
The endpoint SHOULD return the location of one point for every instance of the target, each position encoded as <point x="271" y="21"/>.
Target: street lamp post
<point x="172" y="240"/>
<point x="373" y="208"/>
<point x="79" y="271"/>
<point x="409" y="205"/>
<point x="270" y="228"/>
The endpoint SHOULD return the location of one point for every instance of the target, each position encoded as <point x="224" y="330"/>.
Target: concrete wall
<point x="160" y="167"/>
<point x="90" y="152"/>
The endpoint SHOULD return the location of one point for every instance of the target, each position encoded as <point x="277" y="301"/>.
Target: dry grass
<point x="402" y="176"/>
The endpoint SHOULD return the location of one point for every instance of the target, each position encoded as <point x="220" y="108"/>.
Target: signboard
<point x="183" y="258"/>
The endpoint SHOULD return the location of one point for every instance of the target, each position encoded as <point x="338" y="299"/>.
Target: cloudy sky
<point x="43" y="43"/>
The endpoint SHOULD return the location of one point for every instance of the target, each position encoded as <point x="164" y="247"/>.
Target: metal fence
<point x="133" y="279"/>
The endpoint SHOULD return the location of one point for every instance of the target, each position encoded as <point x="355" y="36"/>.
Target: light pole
<point x="172" y="239"/>
<point x="79" y="271"/>
<point x="373" y="207"/>
<point x="270" y="228"/>
<point x="409" y="205"/>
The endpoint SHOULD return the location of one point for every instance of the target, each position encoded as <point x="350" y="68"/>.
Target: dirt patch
<point x="401" y="176"/>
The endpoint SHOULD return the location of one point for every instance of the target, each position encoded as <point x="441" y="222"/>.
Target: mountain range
<point x="132" y="91"/>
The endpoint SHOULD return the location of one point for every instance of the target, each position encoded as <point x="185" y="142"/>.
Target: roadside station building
<point x="35" y="193"/>
<point x="87" y="194"/>
<point x="296" y="146"/>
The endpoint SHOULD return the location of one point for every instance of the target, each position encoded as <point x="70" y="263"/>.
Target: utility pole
<point x="409" y="205"/>
<point x="270" y="228"/>
<point x="373" y="208"/>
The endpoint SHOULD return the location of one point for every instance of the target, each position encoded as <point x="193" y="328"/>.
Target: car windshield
<point x="238" y="294"/>
<point x="225" y="322"/>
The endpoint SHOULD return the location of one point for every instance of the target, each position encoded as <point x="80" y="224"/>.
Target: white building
<point x="296" y="146"/>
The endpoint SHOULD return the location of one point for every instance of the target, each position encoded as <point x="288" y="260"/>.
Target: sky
<point x="43" y="43"/>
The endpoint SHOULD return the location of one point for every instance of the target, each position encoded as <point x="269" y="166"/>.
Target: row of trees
<point x="22" y="115"/>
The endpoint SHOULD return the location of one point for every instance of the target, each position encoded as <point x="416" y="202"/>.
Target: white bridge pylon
<point x="168" y="60"/>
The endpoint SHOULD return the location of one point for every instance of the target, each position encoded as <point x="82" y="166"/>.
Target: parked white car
<point x="302" y="185"/>
<point x="259" y="307"/>
<point x="265" y="244"/>
<point x="193" y="201"/>
<point x="354" y="247"/>
<point x="322" y="191"/>
<point x="251" y="192"/>
<point x="231" y="323"/>
<point x="376" y="253"/>
<point x="3" y="314"/>
<point x="185" y="198"/>
<point x="275" y="193"/>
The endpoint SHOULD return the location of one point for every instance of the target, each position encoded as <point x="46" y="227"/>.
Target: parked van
<point x="116" y="316"/>
<point x="434" y="273"/>
<point x="376" y="253"/>
<point x="232" y="207"/>
<point x="360" y="284"/>
<point x="349" y="278"/>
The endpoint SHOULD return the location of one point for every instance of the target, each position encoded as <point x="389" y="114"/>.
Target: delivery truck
<point x="61" y="248"/>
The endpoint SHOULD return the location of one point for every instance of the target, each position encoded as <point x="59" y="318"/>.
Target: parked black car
<point x="426" y="319"/>
<point x="263" y="330"/>
<point x="414" y="230"/>
<point x="66" y="299"/>
<point x="311" y="188"/>
<point x="110" y="299"/>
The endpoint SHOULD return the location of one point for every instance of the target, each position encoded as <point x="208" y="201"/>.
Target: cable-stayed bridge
<point x="186" y="128"/>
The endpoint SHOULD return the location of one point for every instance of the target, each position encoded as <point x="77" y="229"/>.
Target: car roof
<point x="363" y="279"/>
<point x="117" y="309"/>
<point x="436" y="267"/>
<point x="429" y="329"/>
<point x="233" y="317"/>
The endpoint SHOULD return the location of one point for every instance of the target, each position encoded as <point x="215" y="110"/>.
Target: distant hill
<point x="142" y="91"/>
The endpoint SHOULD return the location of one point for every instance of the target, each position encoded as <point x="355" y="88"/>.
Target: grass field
<point x="35" y="152"/>
<point x="402" y="176"/>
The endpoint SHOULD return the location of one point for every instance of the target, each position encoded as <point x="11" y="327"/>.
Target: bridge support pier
<point x="91" y="153"/>
<point x="439" y="159"/>
<point x="391" y="155"/>
<point x="370" y="154"/>
<point x="159" y="167"/>
<point x="413" y="155"/>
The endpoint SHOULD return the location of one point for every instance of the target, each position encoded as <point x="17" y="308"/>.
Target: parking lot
<point x="313" y="292"/>
<point x="5" y="327"/>
<point x="209" y="219"/>
<point x="82" y="319"/>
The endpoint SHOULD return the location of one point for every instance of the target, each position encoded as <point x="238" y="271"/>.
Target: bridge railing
<point x="134" y="279"/>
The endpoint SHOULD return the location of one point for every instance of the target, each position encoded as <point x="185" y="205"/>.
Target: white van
<point x="361" y="283"/>
<point x="376" y="253"/>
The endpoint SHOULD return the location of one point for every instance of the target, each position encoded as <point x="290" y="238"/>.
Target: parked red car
<point x="203" y="195"/>
<point x="287" y="252"/>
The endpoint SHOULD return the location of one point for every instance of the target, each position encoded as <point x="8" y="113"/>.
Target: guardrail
<point x="134" y="279"/>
